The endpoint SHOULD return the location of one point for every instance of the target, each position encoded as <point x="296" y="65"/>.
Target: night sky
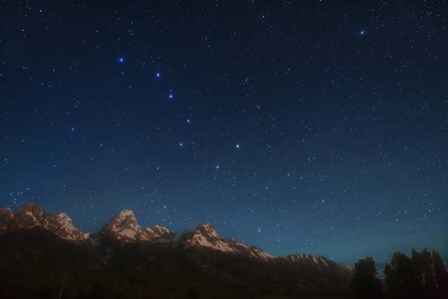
<point x="297" y="126"/>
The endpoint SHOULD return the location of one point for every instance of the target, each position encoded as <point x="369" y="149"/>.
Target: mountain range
<point x="46" y="256"/>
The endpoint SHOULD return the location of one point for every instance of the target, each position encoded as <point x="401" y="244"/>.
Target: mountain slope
<point x="31" y="215"/>
<point x="125" y="260"/>
<point x="125" y="228"/>
<point x="206" y="236"/>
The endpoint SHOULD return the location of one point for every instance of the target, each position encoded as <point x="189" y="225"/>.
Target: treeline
<point x="421" y="275"/>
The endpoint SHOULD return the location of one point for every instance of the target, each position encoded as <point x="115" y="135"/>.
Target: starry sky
<point x="297" y="126"/>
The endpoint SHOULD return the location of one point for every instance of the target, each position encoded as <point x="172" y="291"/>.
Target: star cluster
<point x="297" y="126"/>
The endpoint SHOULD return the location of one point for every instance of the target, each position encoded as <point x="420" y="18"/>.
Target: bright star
<point x="237" y="146"/>
<point x="362" y="32"/>
<point x="121" y="60"/>
<point x="188" y="121"/>
<point x="181" y="144"/>
<point x="217" y="166"/>
<point x="158" y="75"/>
<point x="170" y="96"/>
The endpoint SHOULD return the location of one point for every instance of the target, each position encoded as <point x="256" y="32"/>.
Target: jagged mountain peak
<point x="124" y="227"/>
<point x="64" y="218"/>
<point x="32" y="215"/>
<point x="206" y="236"/>
<point x="31" y="209"/>
<point x="206" y="225"/>
<point x="207" y="229"/>
<point x="124" y="218"/>
<point x="159" y="229"/>
<point x="160" y="234"/>
<point x="126" y="213"/>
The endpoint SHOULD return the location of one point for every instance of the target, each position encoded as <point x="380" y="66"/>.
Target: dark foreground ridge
<point x="46" y="256"/>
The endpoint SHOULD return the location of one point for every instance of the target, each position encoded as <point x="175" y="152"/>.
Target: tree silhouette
<point x="400" y="275"/>
<point x="364" y="283"/>
<point x="423" y="269"/>
<point x="423" y="275"/>
<point x="441" y="275"/>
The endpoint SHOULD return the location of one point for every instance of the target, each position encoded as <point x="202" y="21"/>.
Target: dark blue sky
<point x="298" y="126"/>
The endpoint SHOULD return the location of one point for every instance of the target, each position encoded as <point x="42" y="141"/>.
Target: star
<point x="303" y="156"/>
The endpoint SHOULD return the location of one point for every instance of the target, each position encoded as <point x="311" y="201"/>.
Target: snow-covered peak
<point x="125" y="217"/>
<point x="126" y="214"/>
<point x="160" y="234"/>
<point x="161" y="228"/>
<point x="207" y="229"/>
<point x="31" y="210"/>
<point x="206" y="236"/>
<point x="32" y="215"/>
<point x="124" y="220"/>
<point x="64" y="219"/>
<point x="158" y="231"/>
<point x="206" y="225"/>
<point x="65" y="229"/>
<point x="124" y="227"/>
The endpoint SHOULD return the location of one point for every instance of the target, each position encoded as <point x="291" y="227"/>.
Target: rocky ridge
<point x="124" y="228"/>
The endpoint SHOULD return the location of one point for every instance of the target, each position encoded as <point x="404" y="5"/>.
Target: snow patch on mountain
<point x="124" y="227"/>
<point x="32" y="215"/>
<point x="318" y="262"/>
<point x="206" y="236"/>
